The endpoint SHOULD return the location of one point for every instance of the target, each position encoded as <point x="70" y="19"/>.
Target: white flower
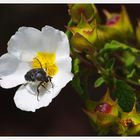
<point x="30" y="49"/>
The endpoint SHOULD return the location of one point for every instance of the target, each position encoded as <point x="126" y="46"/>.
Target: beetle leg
<point x="50" y="80"/>
<point x="43" y="86"/>
<point x="25" y="84"/>
<point x="40" y="84"/>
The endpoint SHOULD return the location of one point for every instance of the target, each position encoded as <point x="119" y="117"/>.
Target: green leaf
<point x="125" y="96"/>
<point x="128" y="58"/>
<point x="139" y="81"/>
<point x="90" y="105"/>
<point x="110" y="63"/>
<point x="76" y="62"/>
<point x="77" y="84"/>
<point x="130" y="75"/>
<point x="117" y="46"/>
<point x="99" y="82"/>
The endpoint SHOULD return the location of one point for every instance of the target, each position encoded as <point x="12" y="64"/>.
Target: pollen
<point x="47" y="62"/>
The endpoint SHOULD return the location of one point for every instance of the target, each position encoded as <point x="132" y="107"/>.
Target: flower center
<point x="47" y="62"/>
<point x="128" y="123"/>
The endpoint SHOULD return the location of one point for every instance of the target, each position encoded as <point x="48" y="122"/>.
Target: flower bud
<point x="104" y="112"/>
<point x="89" y="36"/>
<point x="129" y="123"/>
<point x="89" y="11"/>
<point x="103" y="107"/>
<point x="83" y="36"/>
<point x="120" y="21"/>
<point x="80" y="44"/>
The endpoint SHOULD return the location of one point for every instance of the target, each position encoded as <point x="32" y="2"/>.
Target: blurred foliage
<point x="106" y="54"/>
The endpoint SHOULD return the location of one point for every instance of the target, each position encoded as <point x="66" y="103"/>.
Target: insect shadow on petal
<point x="38" y="75"/>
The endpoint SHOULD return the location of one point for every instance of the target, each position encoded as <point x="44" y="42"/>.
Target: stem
<point x="68" y="33"/>
<point x="96" y="64"/>
<point x="119" y="58"/>
<point x="83" y="60"/>
<point x="73" y="54"/>
<point x="132" y="82"/>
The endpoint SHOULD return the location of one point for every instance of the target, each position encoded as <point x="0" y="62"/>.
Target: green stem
<point x="132" y="82"/>
<point x="68" y="33"/>
<point x="73" y="54"/>
<point x="83" y="60"/>
<point x="96" y="64"/>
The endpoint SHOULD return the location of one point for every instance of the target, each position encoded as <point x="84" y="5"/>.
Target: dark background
<point x="64" y="116"/>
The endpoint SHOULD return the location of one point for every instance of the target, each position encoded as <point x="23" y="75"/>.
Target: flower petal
<point x="26" y="98"/>
<point x="8" y="64"/>
<point x="27" y="101"/>
<point x="17" y="77"/>
<point x="64" y="64"/>
<point x="47" y="97"/>
<point x="60" y="80"/>
<point x="56" y="41"/>
<point x="25" y="43"/>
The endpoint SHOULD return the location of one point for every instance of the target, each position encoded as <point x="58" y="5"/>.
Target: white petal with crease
<point x="17" y="77"/>
<point x="28" y="102"/>
<point x="26" y="97"/>
<point x="61" y="79"/>
<point x="8" y="64"/>
<point x="56" y="41"/>
<point x="64" y="64"/>
<point x="25" y="43"/>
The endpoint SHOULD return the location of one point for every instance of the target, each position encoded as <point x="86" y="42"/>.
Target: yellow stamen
<point x="47" y="61"/>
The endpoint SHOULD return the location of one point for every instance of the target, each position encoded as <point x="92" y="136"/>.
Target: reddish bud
<point x="104" y="108"/>
<point x="113" y="20"/>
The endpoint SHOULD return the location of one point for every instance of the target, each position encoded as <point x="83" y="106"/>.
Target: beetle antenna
<point x="39" y="62"/>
